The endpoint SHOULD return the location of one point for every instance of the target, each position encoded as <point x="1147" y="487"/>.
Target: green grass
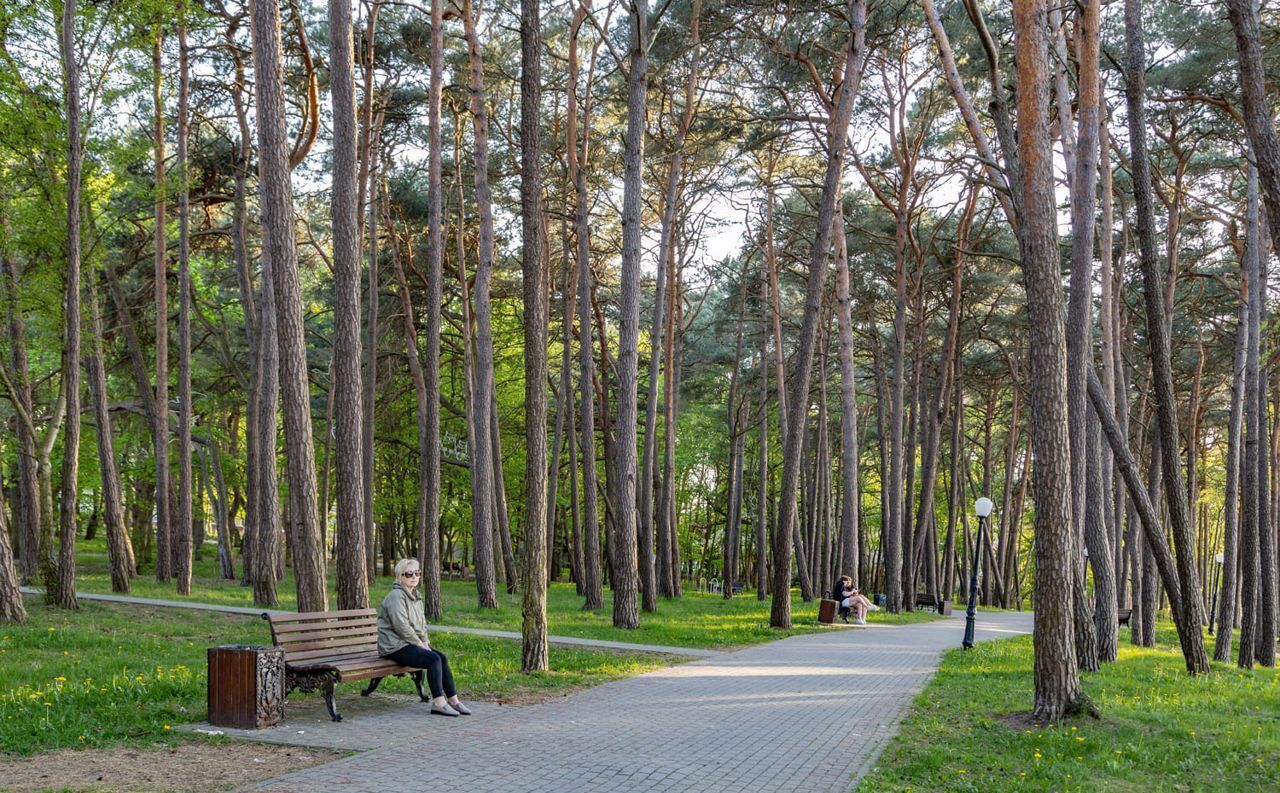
<point x="698" y="619"/>
<point x="1160" y="729"/>
<point x="113" y="673"/>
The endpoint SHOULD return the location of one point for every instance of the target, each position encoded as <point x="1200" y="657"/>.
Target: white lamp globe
<point x="983" y="507"/>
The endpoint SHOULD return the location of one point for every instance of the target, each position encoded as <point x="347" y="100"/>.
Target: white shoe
<point x="444" y="710"/>
<point x="458" y="706"/>
<point x="862" y="620"/>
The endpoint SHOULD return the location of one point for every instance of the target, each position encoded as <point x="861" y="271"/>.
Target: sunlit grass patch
<point x="110" y="674"/>
<point x="1160" y="728"/>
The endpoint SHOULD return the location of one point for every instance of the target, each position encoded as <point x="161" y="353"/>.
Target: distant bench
<point x="1123" y="615"/>
<point x="324" y="648"/>
<point x="925" y="600"/>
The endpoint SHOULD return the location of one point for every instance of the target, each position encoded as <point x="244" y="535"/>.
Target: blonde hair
<point x="402" y="566"/>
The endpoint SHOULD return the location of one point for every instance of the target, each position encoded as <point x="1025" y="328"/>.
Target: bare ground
<point x="196" y="765"/>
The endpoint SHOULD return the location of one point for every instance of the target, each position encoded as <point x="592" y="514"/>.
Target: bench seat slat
<point x="329" y="658"/>
<point x="331" y="647"/>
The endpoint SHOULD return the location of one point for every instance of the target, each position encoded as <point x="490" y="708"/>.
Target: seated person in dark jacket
<point x="851" y="599"/>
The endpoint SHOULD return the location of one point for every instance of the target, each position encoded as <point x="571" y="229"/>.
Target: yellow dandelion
<point x="61" y="679"/>
<point x="166" y="726"/>
<point x="1037" y="755"/>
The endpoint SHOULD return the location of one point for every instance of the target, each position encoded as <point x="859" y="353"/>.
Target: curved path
<point x="807" y="713"/>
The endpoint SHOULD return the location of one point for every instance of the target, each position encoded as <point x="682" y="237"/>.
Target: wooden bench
<point x="1123" y="615"/>
<point x="324" y="648"/>
<point x="925" y="600"/>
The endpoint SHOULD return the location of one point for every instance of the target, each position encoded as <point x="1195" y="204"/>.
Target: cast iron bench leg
<point x="329" y="701"/>
<point x="417" y="681"/>
<point x="372" y="687"/>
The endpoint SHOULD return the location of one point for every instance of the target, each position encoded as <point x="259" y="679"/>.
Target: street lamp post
<point x="1213" y="607"/>
<point x="983" y="508"/>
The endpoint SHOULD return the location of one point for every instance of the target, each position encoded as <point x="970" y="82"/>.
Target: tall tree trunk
<point x="1158" y="331"/>
<point x="365" y="179"/>
<point x="68" y="513"/>
<point x="837" y="126"/>
<point x="591" y="581"/>
<point x="12" y="609"/>
<point x="183" y="509"/>
<point x="624" y="547"/>
<point x="666" y="530"/>
<point x="533" y="657"/>
<point x="160" y="417"/>
<point x="280" y="258"/>
<point x="353" y="584"/>
<point x="1079" y="342"/>
<point x="1231" y="498"/>
<point x="27" y="512"/>
<point x="119" y="550"/>
<point x="429" y="537"/>
<point x="482" y="461"/>
<point x="762" y="470"/>
<point x="1056" y="676"/>
<point x="848" y="563"/>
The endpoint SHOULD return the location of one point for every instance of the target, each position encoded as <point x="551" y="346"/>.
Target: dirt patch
<point x="198" y="766"/>
<point x="1023" y="721"/>
<point x="1020" y="721"/>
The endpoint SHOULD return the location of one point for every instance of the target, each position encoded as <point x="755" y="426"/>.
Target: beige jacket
<point x="401" y="621"/>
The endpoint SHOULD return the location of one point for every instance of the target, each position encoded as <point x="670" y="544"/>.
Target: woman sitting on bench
<point x="851" y="599"/>
<point x="402" y="637"/>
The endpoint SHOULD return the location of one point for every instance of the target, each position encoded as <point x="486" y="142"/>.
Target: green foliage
<point x="1160" y="728"/>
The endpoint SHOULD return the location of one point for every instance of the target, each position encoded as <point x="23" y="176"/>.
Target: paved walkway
<point x="695" y="652"/>
<point x="809" y="713"/>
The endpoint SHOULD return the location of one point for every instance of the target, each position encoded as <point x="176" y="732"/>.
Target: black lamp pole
<point x="983" y="508"/>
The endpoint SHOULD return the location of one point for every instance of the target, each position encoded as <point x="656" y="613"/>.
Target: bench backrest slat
<point x="290" y="633"/>
<point x="307" y="616"/>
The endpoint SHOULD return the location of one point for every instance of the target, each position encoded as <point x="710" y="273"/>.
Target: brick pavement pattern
<point x="807" y="713"/>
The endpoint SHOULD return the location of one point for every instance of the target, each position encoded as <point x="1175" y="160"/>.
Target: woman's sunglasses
<point x="413" y="574"/>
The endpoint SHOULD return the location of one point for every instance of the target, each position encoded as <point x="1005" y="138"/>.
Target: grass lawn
<point x="696" y="620"/>
<point x="1160" y="729"/>
<point x="113" y="673"/>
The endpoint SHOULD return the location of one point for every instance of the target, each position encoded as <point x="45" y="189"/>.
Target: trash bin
<point x="827" y="611"/>
<point x="246" y="686"/>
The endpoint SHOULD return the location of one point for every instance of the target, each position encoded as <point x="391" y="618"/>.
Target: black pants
<point x="439" y="677"/>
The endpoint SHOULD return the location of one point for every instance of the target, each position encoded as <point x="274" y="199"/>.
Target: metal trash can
<point x="246" y="686"/>
<point x="827" y="611"/>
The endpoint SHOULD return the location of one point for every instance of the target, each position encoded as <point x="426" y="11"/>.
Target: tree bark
<point x="183" y="509"/>
<point x="429" y="537"/>
<point x="119" y="550"/>
<point x="160" y="417"/>
<point x="624" y="547"/>
<point x="1231" y="498"/>
<point x="1158" y="332"/>
<point x="1056" y="676"/>
<point x="68" y="512"/>
<point x="12" y="609"/>
<point x="592" y="589"/>
<point x="482" y="462"/>
<point x="780" y="611"/>
<point x="353" y="584"/>
<point x="280" y="258"/>
<point x="27" y="511"/>
<point x="533" y="657"/>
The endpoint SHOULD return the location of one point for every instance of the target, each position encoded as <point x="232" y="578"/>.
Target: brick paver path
<point x="809" y="713"/>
